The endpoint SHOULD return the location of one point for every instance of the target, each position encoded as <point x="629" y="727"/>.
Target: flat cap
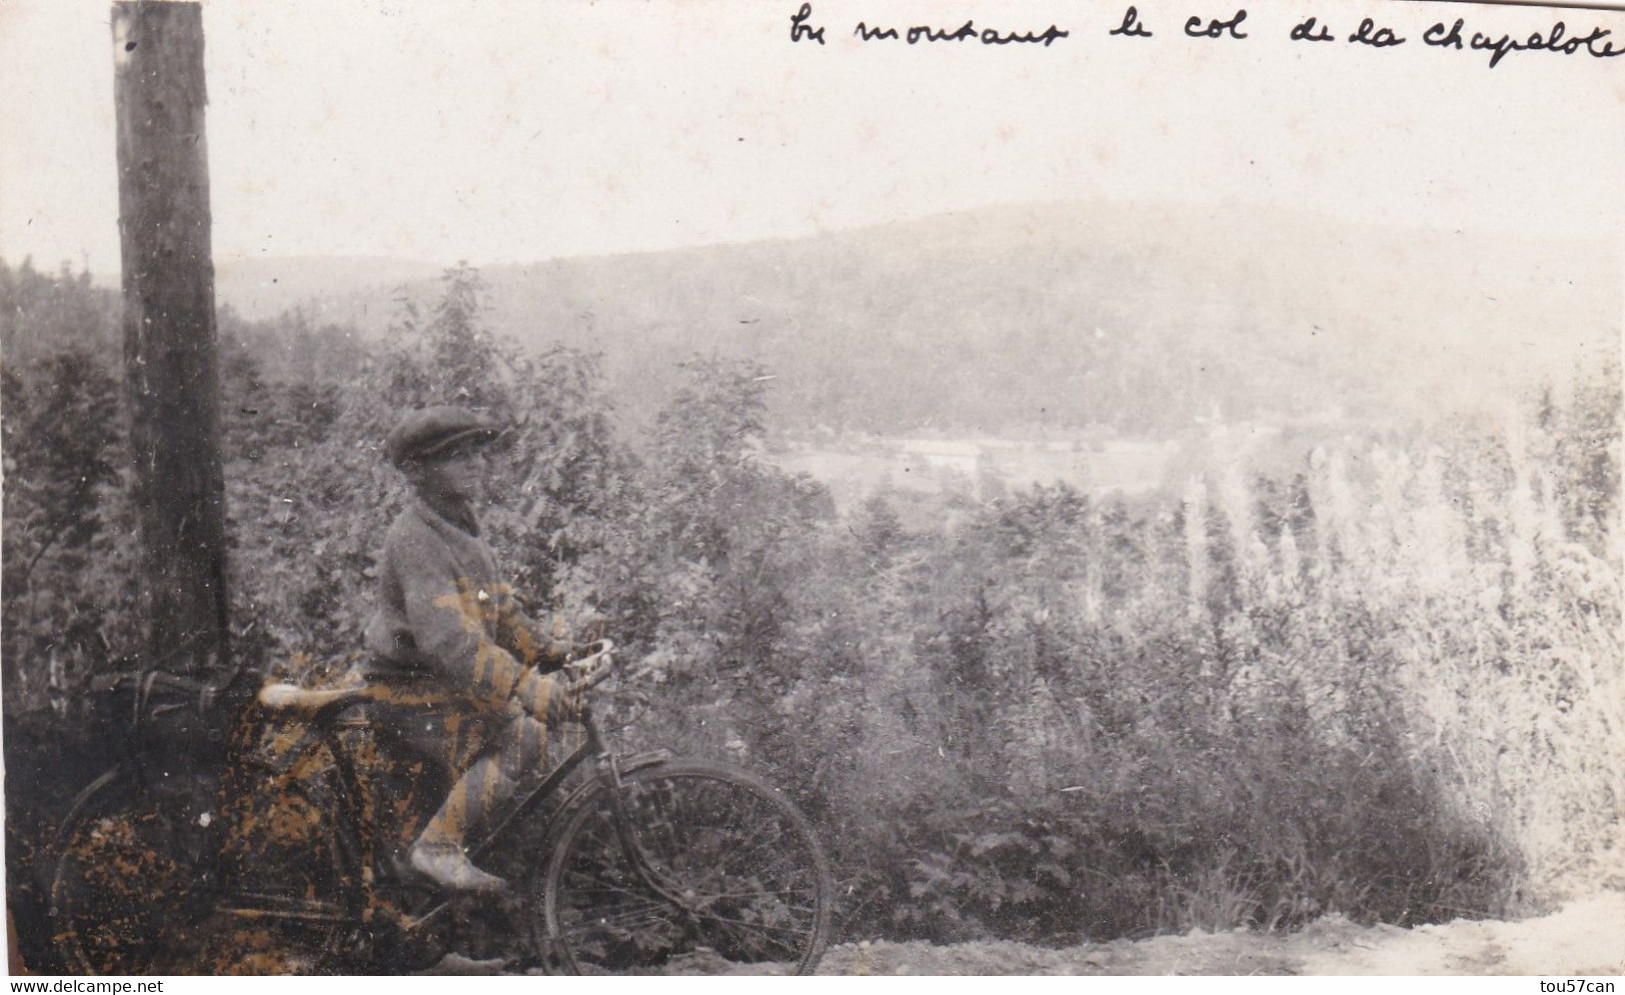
<point x="427" y="432"/>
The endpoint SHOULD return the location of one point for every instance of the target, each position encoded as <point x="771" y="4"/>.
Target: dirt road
<point x="1585" y="938"/>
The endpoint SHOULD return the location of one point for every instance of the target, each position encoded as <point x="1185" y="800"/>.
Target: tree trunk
<point x="169" y="330"/>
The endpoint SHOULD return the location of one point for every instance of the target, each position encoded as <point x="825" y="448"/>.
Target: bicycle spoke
<point x="640" y="893"/>
<point x="717" y="886"/>
<point x="758" y="927"/>
<point x="698" y="893"/>
<point x="761" y="834"/>
<point x="742" y="941"/>
<point x="768" y="871"/>
<point x="596" y="921"/>
<point x="585" y="895"/>
<point x="722" y="896"/>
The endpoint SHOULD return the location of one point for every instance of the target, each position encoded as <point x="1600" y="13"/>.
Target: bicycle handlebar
<point x="146" y="681"/>
<point x="593" y="667"/>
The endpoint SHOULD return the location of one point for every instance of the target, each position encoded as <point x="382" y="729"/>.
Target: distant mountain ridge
<point x="264" y="288"/>
<point x="1139" y="319"/>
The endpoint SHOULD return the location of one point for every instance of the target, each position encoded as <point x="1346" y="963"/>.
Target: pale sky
<point x="501" y="131"/>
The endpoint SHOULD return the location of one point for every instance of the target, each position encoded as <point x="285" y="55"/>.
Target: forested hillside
<point x="1002" y="321"/>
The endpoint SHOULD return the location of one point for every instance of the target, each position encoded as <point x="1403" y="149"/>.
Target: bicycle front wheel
<point x="686" y="868"/>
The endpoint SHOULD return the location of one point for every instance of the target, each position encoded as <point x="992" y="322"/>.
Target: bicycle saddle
<point x="323" y="703"/>
<point x="292" y="697"/>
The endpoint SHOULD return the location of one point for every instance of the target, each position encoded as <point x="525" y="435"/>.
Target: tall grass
<point x="1388" y="686"/>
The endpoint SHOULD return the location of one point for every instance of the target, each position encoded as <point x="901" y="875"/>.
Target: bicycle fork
<point x="637" y="855"/>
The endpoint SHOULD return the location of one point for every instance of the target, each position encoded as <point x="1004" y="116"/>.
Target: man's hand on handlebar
<point x="592" y="667"/>
<point x="559" y="695"/>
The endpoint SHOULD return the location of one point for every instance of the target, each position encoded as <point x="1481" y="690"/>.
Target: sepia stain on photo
<point x="811" y="488"/>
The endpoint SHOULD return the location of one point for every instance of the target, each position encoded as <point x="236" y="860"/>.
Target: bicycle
<point x="650" y="863"/>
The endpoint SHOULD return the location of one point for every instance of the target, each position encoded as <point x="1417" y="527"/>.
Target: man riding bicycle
<point x="445" y="621"/>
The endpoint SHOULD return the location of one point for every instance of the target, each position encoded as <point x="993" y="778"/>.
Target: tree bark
<point x="169" y="330"/>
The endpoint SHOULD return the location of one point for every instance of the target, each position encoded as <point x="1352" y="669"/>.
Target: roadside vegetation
<point x="1385" y="682"/>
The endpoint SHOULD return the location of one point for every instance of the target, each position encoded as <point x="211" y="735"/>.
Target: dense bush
<point x="1384" y="683"/>
<point x="68" y="586"/>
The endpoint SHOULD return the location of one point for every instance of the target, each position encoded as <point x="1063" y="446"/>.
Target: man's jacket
<point x="443" y="611"/>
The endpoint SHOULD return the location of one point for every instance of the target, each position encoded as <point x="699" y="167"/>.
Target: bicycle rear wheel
<point x="294" y="900"/>
<point x="708" y="870"/>
<point x="120" y="890"/>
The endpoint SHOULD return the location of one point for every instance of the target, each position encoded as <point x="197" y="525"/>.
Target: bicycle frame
<point x="355" y="844"/>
